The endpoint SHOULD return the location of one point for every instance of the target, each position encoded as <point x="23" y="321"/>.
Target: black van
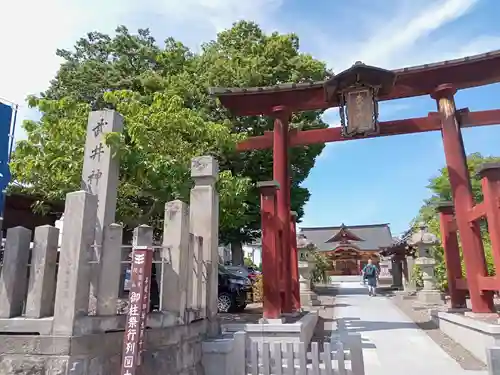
<point x="235" y="291"/>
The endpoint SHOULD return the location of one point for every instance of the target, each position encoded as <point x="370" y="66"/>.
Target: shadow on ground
<point x="326" y="289"/>
<point x="332" y="306"/>
<point x="352" y="324"/>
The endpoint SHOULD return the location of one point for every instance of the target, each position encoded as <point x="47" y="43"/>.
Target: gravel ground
<point x="421" y="317"/>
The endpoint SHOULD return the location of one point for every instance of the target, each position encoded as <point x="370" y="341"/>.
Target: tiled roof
<point x="225" y="91"/>
<point x="374" y="236"/>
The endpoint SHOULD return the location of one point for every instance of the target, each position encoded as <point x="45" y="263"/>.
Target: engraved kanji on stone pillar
<point x="100" y="176"/>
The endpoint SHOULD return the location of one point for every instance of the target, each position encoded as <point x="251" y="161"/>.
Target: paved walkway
<point x="393" y="344"/>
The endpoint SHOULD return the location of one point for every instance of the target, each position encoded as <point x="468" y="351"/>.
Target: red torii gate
<point x="440" y="81"/>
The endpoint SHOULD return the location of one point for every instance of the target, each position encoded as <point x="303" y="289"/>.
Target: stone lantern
<point x="306" y="263"/>
<point x="423" y="241"/>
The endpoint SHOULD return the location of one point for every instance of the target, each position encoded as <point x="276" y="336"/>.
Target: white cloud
<point x="220" y="14"/>
<point x="332" y="117"/>
<point x="405" y="30"/>
<point x="52" y="24"/>
<point x="46" y="25"/>
<point x="30" y="45"/>
<point x="396" y="35"/>
<point x="32" y="30"/>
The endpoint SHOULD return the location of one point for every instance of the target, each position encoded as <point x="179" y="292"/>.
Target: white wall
<point x="253" y="252"/>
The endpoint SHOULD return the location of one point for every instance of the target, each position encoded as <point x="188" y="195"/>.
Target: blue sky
<point x="356" y="182"/>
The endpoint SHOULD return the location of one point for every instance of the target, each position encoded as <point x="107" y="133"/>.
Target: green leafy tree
<point x="441" y="191"/>
<point x="50" y="161"/>
<point x="248" y="262"/>
<point x="239" y="57"/>
<point x="244" y="56"/>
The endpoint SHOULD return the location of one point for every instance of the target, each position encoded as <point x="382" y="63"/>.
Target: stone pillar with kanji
<point x="100" y="177"/>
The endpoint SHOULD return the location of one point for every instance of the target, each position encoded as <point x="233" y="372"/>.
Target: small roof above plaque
<point x="268" y="184"/>
<point x="444" y="205"/>
<point x="483" y="168"/>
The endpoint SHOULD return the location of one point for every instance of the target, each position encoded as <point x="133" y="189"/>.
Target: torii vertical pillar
<point x="270" y="259"/>
<point x="463" y="200"/>
<point x="281" y="176"/>
<point x="294" y="263"/>
<point x="449" y="241"/>
<point x="490" y="182"/>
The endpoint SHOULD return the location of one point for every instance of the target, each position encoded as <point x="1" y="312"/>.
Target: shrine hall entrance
<point x="349" y="261"/>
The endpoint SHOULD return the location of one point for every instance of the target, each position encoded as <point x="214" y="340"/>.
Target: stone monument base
<point x="475" y="332"/>
<point x="175" y="349"/>
<point x="430" y="297"/>
<point x="309" y="299"/>
<point x="276" y="330"/>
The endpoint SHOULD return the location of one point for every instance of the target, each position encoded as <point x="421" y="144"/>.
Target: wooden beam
<point x="479" y="118"/>
<point x="414" y="81"/>
<point x="408" y="126"/>
<point x="477" y="212"/>
<point x="489" y="283"/>
<point x="461" y="284"/>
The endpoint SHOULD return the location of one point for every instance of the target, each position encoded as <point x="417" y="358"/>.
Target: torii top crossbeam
<point x="419" y="80"/>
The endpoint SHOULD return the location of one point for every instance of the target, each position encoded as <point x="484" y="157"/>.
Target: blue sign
<point x="5" y="126"/>
<point x="5" y="123"/>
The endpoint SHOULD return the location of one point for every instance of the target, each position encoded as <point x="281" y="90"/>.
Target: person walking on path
<point x="370" y="273"/>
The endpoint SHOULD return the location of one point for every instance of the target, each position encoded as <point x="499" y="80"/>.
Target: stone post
<point x="13" y="280"/>
<point x="198" y="283"/>
<point x="397" y="273"/>
<point x="143" y="236"/>
<point x="42" y="281"/>
<point x="306" y="266"/>
<point x="73" y="277"/>
<point x="424" y="240"/>
<point x="109" y="281"/>
<point x="100" y="176"/>
<point x="493" y="360"/>
<point x="204" y="222"/>
<point x="191" y="278"/>
<point x="385" y="277"/>
<point x="410" y="285"/>
<point x="173" y="291"/>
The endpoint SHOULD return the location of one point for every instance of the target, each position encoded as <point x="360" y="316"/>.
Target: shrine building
<point x="349" y="247"/>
